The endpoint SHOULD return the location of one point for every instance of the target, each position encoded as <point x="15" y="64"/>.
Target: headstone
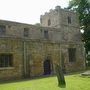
<point x="60" y="77"/>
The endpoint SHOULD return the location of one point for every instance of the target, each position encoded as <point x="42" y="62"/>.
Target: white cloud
<point x="27" y="11"/>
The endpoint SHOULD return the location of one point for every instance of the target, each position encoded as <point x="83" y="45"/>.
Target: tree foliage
<point x="83" y="9"/>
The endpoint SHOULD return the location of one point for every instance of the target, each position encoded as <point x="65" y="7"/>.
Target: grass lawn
<point x="73" y="82"/>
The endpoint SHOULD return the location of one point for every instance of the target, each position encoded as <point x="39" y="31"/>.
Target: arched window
<point x="49" y="22"/>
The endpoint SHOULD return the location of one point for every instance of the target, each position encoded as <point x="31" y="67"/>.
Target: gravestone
<point x="60" y="77"/>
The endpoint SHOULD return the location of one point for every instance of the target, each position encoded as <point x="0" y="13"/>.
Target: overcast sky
<point x="27" y="11"/>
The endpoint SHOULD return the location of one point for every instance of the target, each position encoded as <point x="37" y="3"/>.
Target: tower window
<point x="46" y="34"/>
<point x="69" y="20"/>
<point x="26" y="32"/>
<point x="49" y="22"/>
<point x="41" y="20"/>
<point x="2" y="29"/>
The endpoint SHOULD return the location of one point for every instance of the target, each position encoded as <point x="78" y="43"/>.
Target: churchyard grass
<point x="73" y="82"/>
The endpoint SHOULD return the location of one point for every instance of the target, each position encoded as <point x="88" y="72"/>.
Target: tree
<point x="60" y="76"/>
<point x="37" y="24"/>
<point x="83" y="9"/>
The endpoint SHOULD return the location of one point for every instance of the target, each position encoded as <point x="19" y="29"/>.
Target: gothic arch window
<point x="49" y="22"/>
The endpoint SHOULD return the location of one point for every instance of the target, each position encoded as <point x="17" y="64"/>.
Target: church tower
<point x="59" y="17"/>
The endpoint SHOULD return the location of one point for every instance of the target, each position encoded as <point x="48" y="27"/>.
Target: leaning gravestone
<point x="87" y="73"/>
<point x="60" y="77"/>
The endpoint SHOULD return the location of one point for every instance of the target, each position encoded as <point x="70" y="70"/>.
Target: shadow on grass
<point x="84" y="76"/>
<point x="33" y="78"/>
<point x="25" y="79"/>
<point x="63" y="86"/>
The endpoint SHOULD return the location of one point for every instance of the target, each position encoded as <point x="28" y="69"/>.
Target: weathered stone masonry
<point x="36" y="50"/>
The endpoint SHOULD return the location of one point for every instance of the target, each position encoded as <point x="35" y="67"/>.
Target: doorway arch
<point x="47" y="67"/>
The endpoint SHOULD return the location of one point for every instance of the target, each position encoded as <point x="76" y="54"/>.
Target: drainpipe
<point x="24" y="58"/>
<point x="60" y="62"/>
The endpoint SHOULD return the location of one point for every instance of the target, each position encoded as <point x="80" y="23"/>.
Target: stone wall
<point x="63" y="34"/>
<point x="77" y="65"/>
<point x="8" y="46"/>
<point x="29" y="57"/>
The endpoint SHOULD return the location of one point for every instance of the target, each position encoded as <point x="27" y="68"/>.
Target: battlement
<point x="58" y="17"/>
<point x="57" y="9"/>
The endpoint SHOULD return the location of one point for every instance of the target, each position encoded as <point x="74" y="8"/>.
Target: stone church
<point x="28" y="51"/>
